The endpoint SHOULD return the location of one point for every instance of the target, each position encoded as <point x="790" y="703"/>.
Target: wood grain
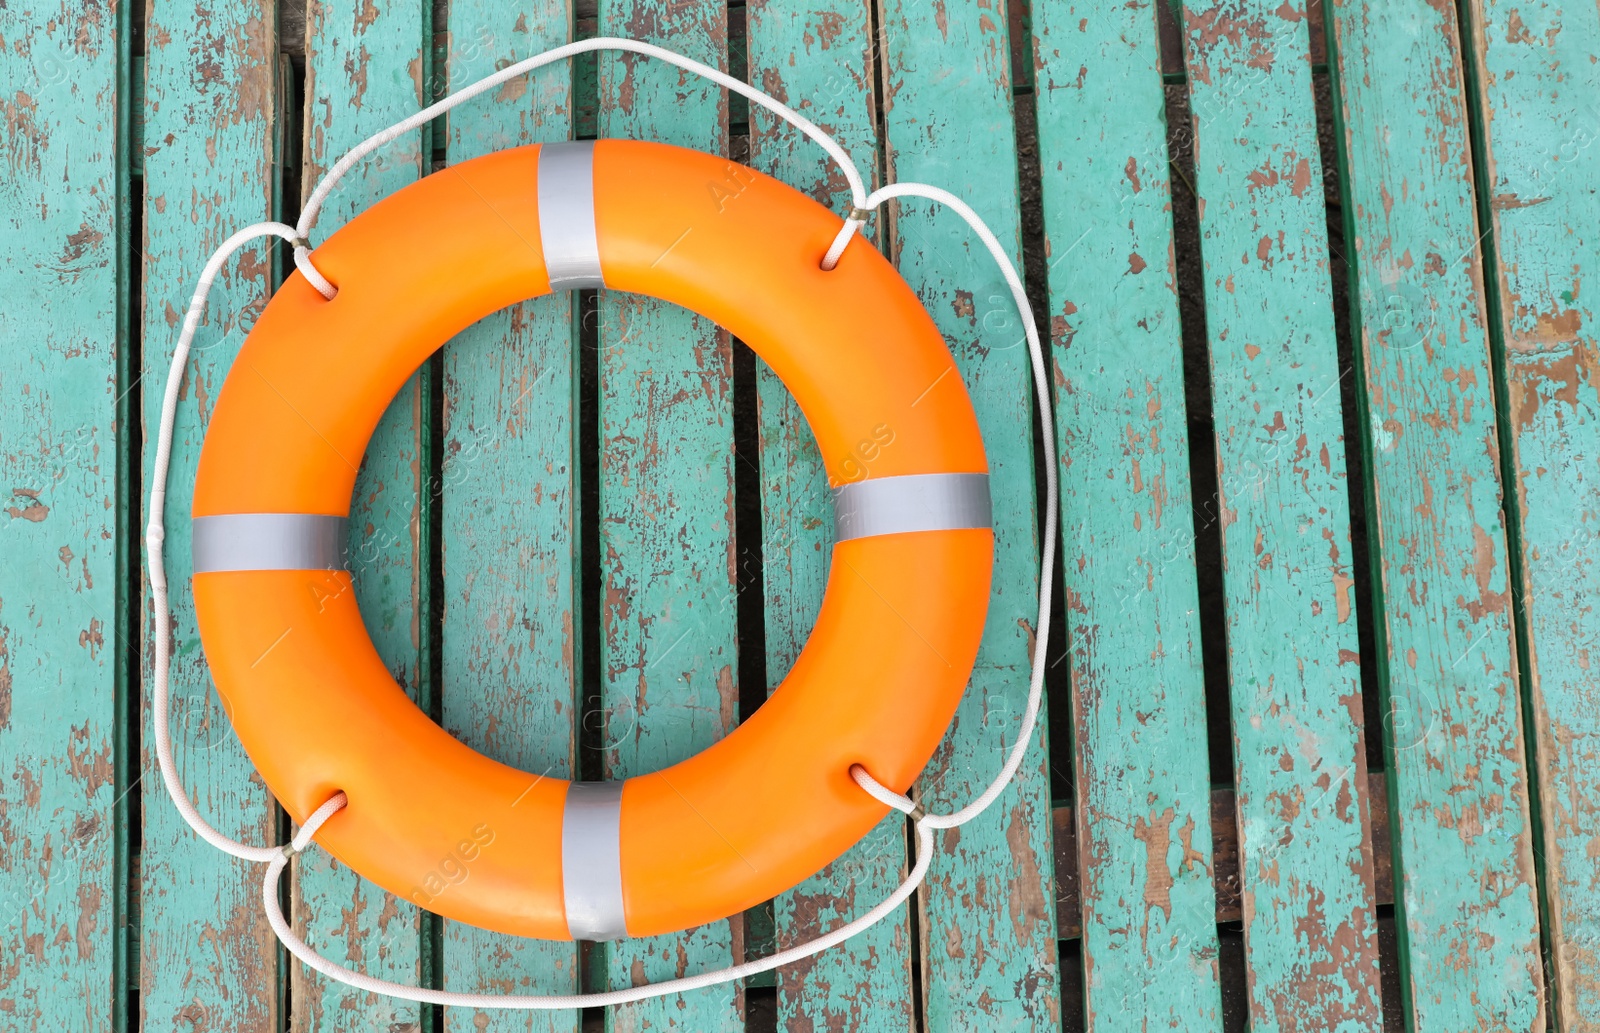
<point x="1539" y="95"/>
<point x="208" y="959"/>
<point x="1300" y="768"/>
<point x="364" y="69"/>
<point x="1470" y="903"/>
<point x="819" y="60"/>
<point x="986" y="919"/>
<point x="508" y="487"/>
<point x="1150" y="938"/>
<point x="668" y="590"/>
<point x="59" y="445"/>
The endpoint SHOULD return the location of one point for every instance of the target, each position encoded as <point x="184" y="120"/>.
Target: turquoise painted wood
<point x="1300" y="769"/>
<point x="1463" y="829"/>
<point x="207" y="956"/>
<point x="669" y="654"/>
<point x="1459" y="585"/>
<point x="987" y="909"/>
<point x="1539" y="97"/>
<point x="60" y="443"/>
<point x="819" y="60"/>
<point x="364" y="71"/>
<point x="1144" y="788"/>
<point x="508" y="487"/>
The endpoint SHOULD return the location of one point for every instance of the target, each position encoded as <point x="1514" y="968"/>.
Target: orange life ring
<point x="767" y="806"/>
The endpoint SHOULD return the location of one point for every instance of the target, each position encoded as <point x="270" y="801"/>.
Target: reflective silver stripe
<point x="916" y="502"/>
<point x="591" y="861"/>
<point x="268" y="541"/>
<point x="566" y="215"/>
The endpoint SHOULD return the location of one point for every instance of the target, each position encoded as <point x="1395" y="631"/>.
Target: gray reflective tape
<point x="591" y="861"/>
<point x="916" y="502"/>
<point x="566" y="215"/>
<point x="268" y="541"/>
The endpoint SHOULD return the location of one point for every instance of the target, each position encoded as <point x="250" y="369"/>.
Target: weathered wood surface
<point x="60" y="443"/>
<point x="668" y="617"/>
<point x="988" y="948"/>
<point x="1448" y="655"/>
<point x="364" y="70"/>
<point x="1538" y="95"/>
<point x="820" y="61"/>
<point x="208" y="959"/>
<point x="1224" y="853"/>
<point x="1300" y="768"/>
<point x="508" y="487"/>
<point x="981" y="947"/>
<point x="1138" y="689"/>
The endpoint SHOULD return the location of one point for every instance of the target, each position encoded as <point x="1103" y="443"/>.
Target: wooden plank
<point x="987" y="934"/>
<point x="1538" y="92"/>
<point x="668" y="591"/>
<point x="1224" y="858"/>
<point x="207" y="955"/>
<point x="1470" y="903"/>
<point x="60" y="649"/>
<point x="1143" y="781"/>
<point x="364" y="70"/>
<point x="1300" y="769"/>
<point x="508" y="488"/>
<point x="1225" y="849"/>
<point x="819" y="60"/>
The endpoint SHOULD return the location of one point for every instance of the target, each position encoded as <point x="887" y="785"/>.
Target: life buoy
<point x="752" y="815"/>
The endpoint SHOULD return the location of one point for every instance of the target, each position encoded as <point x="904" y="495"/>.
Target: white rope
<point x="1047" y="552"/>
<point x="313" y="207"/>
<point x="552" y="1002"/>
<point x="277" y="858"/>
<point x="155" y="533"/>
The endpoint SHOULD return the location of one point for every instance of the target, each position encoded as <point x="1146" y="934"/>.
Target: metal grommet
<point x="917" y="812"/>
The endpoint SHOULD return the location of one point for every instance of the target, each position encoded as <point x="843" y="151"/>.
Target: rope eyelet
<point x="313" y="275"/>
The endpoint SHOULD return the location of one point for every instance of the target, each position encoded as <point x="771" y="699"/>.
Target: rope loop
<point x="883" y="794"/>
<point x="302" y="262"/>
<point x="852" y="223"/>
<point x="277" y="858"/>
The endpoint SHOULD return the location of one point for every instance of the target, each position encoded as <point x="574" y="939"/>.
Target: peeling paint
<point x="1540" y="92"/>
<point x="1305" y="863"/>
